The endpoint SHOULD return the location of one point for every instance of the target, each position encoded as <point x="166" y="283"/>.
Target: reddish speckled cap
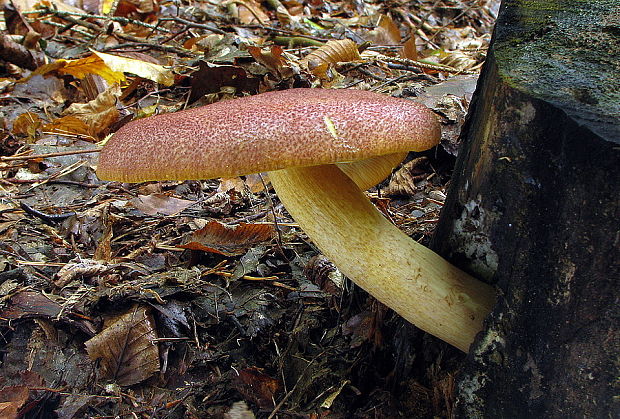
<point x="270" y="131"/>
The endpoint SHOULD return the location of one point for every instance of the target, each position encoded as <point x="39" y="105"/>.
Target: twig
<point x="119" y="19"/>
<point x="193" y="24"/>
<point x="46" y="155"/>
<point x="419" y="64"/>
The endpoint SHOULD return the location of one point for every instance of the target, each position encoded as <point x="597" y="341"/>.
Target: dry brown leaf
<point x="12" y="399"/>
<point x="159" y="204"/>
<point x="386" y="33"/>
<point x="109" y="67"/>
<point x="84" y="268"/>
<point x="319" y="61"/>
<point x="228" y="240"/>
<point x="69" y="125"/>
<point x="98" y="114"/>
<point x="403" y="181"/>
<point x="233" y="186"/>
<point x="272" y="59"/>
<point x="127" y="347"/>
<point x="250" y="11"/>
<point x="29" y="304"/>
<point x="8" y="410"/>
<point x="257" y="386"/>
<point x="257" y="182"/>
<point x="131" y="7"/>
<point x="410" y="50"/>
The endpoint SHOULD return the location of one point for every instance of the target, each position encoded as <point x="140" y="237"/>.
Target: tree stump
<point x="534" y="207"/>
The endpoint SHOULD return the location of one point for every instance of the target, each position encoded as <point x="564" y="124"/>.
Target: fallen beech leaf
<point x="127" y="348"/>
<point x="80" y="68"/>
<point x="155" y="72"/>
<point x="410" y="50"/>
<point x="97" y="115"/>
<point x="227" y="240"/>
<point x="84" y="268"/>
<point x="159" y="204"/>
<point x="386" y="33"/>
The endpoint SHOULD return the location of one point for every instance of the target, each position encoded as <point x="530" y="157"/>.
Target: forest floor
<point x="203" y="299"/>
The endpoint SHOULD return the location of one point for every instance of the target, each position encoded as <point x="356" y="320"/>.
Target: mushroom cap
<point x="265" y="132"/>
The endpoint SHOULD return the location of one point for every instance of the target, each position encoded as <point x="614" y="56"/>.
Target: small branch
<point x="46" y="155"/>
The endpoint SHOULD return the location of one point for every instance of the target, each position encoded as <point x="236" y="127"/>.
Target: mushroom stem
<point x="414" y="281"/>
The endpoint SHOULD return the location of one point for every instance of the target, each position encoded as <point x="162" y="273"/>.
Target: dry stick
<point x="46" y="155"/>
<point x="137" y="41"/>
<point x="119" y="19"/>
<point x="191" y="24"/>
<point x="420" y="64"/>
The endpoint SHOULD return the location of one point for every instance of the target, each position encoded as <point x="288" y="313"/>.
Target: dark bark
<point x="534" y="207"/>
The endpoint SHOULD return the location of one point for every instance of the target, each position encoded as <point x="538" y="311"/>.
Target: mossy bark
<point x="534" y="208"/>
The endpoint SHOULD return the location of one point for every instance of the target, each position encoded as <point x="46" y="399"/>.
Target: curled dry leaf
<point x="319" y="61"/>
<point x="96" y="116"/>
<point x="127" y="348"/>
<point x="109" y="67"/>
<point x="403" y="181"/>
<point x="129" y="8"/>
<point x="82" y="268"/>
<point x="229" y="240"/>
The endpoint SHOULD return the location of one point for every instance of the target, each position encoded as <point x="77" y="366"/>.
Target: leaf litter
<point x="203" y="298"/>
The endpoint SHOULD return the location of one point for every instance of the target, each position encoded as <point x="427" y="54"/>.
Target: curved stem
<point x="409" y="278"/>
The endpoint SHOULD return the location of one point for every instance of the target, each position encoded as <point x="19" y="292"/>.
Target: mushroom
<point x="322" y="149"/>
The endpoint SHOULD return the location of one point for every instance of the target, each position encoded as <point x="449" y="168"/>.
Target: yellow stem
<point x="409" y="278"/>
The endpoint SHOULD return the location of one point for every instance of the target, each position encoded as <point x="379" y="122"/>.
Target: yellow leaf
<point x="155" y="72"/>
<point x="92" y="65"/>
<point x="106" y="6"/>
